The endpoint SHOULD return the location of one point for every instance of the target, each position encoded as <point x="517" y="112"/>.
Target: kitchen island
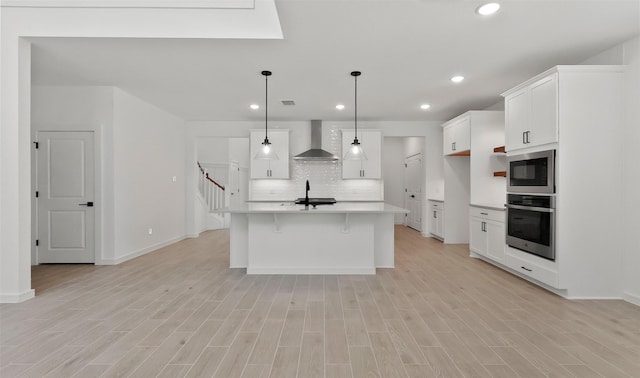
<point x="285" y="238"/>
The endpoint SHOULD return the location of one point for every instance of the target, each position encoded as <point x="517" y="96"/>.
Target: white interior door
<point x="233" y="188"/>
<point x="413" y="192"/>
<point x="66" y="197"/>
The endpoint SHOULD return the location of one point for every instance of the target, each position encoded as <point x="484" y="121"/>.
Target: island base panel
<point x="311" y="244"/>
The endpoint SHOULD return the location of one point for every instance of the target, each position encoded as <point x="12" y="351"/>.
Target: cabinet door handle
<point x="484" y="213"/>
<point x="434" y="214"/>
<point x="527" y="269"/>
<point x="528" y="135"/>
<point x="524" y="140"/>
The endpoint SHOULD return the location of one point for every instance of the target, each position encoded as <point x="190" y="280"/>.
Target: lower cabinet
<point x="436" y="215"/>
<point x="524" y="264"/>
<point x="487" y="234"/>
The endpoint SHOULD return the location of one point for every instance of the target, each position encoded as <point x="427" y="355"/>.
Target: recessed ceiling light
<point x="254" y="106"/>
<point x="487" y="9"/>
<point x="339" y="106"/>
<point x="425" y="106"/>
<point x="457" y="79"/>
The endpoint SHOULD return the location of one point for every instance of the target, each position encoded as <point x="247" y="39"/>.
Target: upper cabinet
<point x="270" y="169"/>
<point x="371" y="141"/>
<point x="532" y="114"/>
<point x="457" y="136"/>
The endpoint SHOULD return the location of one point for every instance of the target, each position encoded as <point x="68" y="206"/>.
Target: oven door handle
<point x="531" y="208"/>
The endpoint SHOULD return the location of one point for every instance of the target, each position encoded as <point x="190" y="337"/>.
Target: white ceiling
<point x="406" y="49"/>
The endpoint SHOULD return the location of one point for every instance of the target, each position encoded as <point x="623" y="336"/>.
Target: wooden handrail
<point x="206" y="175"/>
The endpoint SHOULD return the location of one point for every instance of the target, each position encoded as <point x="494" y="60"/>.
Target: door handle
<point x="413" y="196"/>
<point x="88" y="204"/>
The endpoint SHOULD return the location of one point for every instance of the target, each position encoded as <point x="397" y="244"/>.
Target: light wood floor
<point x="181" y="312"/>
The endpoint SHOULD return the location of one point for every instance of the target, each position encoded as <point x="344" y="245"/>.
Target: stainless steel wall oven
<point x="531" y="224"/>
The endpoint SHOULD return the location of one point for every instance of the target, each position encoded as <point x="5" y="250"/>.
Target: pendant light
<point x="266" y="152"/>
<point x="355" y="152"/>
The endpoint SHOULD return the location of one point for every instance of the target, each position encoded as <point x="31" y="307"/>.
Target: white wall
<point x="393" y="173"/>
<point x="138" y="151"/>
<point x="434" y="162"/>
<point x="239" y="151"/>
<point x="413" y="146"/>
<point x="213" y="150"/>
<point x="148" y="154"/>
<point x="631" y="177"/>
<point x="628" y="53"/>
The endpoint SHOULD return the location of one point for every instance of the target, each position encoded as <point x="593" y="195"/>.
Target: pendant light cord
<point x="356" y="106"/>
<point x="266" y="75"/>
<point x="355" y="75"/>
<point x="266" y="105"/>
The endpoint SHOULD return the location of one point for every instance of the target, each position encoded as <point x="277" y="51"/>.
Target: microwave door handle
<point x="531" y="208"/>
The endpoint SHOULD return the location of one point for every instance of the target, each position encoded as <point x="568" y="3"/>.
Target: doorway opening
<point x="403" y="175"/>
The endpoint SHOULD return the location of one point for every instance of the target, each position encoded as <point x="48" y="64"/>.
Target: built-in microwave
<point x="531" y="173"/>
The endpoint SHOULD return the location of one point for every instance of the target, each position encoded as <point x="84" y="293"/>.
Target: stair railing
<point x="211" y="191"/>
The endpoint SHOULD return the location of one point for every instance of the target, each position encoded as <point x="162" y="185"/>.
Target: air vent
<point x="288" y="102"/>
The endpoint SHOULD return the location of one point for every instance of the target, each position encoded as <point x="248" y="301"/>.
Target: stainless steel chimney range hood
<point x="316" y="153"/>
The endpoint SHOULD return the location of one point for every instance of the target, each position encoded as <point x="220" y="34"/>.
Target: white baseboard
<point x="17" y="298"/>
<point x="311" y="270"/>
<point x="141" y="252"/>
<point x="631" y="298"/>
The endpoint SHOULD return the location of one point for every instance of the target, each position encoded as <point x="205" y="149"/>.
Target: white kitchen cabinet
<point x="487" y="234"/>
<point x="371" y="168"/>
<point x="532" y="114"/>
<point x="580" y="113"/>
<point x="270" y="169"/>
<point x="436" y="215"/>
<point x="457" y="136"/>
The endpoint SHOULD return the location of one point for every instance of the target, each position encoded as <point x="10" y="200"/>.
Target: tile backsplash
<point x="325" y="180"/>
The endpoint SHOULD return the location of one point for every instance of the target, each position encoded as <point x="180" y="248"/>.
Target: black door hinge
<point x="37" y="242"/>
<point x="37" y="144"/>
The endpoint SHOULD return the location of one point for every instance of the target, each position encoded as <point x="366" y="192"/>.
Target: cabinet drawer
<point x="490" y="214"/>
<point x="433" y="205"/>
<point x="531" y="269"/>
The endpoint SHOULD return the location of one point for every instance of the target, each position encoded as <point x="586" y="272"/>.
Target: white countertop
<point x="491" y="206"/>
<point x="337" y="208"/>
